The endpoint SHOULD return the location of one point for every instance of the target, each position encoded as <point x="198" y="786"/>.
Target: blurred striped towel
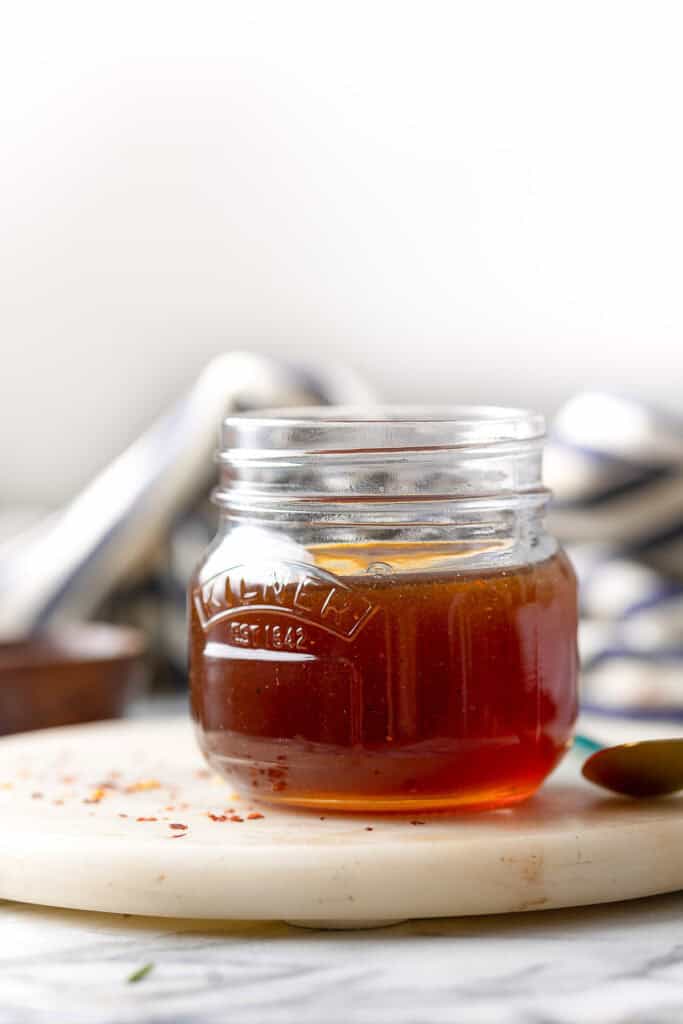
<point x="615" y="465"/>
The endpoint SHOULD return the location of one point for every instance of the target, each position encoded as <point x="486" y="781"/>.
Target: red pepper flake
<point x="368" y="828"/>
<point x="321" y="819"/>
<point x="236" y="817"/>
<point x="178" y="835"/>
<point x="146" y="819"/>
<point x="217" y="817"/>
<point x="417" y="823"/>
<point x="36" y="796"/>
<point x="178" y="826"/>
<point x="254" y="817"/>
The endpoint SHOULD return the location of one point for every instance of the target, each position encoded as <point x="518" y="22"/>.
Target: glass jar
<point x="382" y="622"/>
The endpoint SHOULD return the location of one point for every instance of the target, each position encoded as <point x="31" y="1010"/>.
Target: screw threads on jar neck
<point x="382" y="460"/>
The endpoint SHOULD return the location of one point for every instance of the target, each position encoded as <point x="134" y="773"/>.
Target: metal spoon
<point x="61" y="569"/>
<point x="646" y="768"/>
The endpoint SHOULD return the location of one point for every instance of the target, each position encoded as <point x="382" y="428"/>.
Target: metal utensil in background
<point x="63" y="568"/>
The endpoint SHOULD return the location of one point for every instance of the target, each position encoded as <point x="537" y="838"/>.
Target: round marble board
<point x="118" y="817"/>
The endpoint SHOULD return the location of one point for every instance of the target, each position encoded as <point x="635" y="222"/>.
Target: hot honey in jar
<point x="427" y="661"/>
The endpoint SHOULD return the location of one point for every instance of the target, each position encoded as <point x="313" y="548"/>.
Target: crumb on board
<point x="143" y="785"/>
<point x="95" y="797"/>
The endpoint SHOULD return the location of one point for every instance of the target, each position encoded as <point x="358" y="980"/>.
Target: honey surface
<point x="385" y="691"/>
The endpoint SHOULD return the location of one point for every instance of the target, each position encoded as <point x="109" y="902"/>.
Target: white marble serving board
<point x="70" y="836"/>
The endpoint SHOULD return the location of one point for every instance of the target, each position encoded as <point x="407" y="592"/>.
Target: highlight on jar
<point x="382" y="623"/>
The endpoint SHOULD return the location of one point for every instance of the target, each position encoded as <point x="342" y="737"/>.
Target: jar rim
<point x="379" y="428"/>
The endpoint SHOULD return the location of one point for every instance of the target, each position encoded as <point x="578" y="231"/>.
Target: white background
<point x="467" y="201"/>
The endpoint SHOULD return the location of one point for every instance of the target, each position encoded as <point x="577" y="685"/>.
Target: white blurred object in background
<point x="468" y="202"/>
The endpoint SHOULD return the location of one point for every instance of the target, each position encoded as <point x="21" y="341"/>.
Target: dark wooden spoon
<point x="642" y="769"/>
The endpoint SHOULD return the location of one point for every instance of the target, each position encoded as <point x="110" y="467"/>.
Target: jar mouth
<point x="375" y="428"/>
<point x="294" y="458"/>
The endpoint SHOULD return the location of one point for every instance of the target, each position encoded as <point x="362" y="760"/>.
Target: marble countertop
<point x="601" y="965"/>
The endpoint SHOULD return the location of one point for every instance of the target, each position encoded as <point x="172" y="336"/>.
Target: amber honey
<point x="385" y="690"/>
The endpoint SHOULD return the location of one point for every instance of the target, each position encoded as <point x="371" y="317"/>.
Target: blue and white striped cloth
<point x="615" y="465"/>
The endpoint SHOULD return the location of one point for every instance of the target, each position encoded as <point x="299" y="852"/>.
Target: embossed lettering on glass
<point x="382" y="622"/>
